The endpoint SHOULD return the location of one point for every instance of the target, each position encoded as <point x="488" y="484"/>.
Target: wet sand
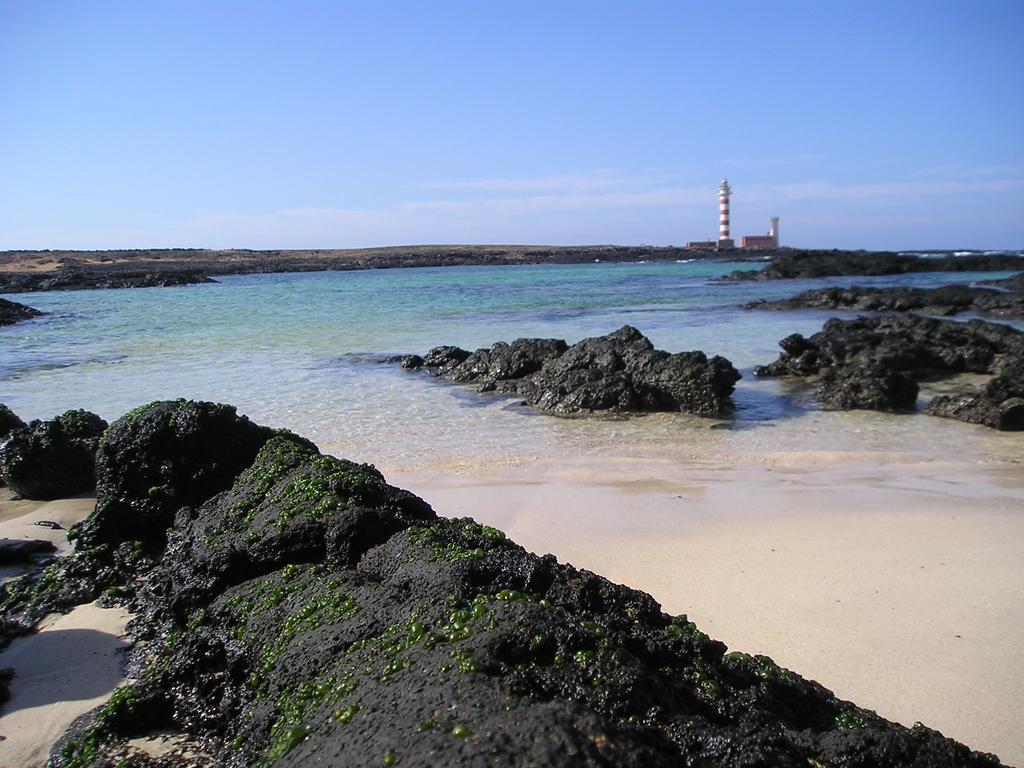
<point x="894" y="583"/>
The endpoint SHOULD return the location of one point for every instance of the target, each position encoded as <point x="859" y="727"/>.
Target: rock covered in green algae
<point x="150" y="463"/>
<point x="164" y="456"/>
<point x="52" y="459"/>
<point x="312" y="614"/>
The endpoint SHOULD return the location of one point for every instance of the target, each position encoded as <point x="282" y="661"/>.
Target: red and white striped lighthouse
<point x="724" y="241"/>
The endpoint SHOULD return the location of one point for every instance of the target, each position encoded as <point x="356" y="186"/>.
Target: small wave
<point x="18" y="371"/>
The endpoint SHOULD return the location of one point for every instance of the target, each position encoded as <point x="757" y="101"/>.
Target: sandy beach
<point x="894" y="583"/>
<point x="71" y="664"/>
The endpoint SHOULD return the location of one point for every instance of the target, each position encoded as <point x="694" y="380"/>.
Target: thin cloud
<point x="592" y="180"/>
<point x="565" y="210"/>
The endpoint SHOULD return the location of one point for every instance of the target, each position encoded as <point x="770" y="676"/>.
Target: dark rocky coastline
<point x="811" y="264"/>
<point x="876" y="363"/>
<point x="617" y="373"/>
<point x="68" y="270"/>
<point x="1002" y="298"/>
<point x="299" y="609"/>
<point x="12" y="312"/>
<point x="78" y="279"/>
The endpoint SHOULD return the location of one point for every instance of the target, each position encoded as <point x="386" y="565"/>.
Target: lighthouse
<point x="724" y="191"/>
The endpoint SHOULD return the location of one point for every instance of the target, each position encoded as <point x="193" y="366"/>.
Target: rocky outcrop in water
<point x="876" y="362"/>
<point x="309" y="612"/>
<point x="810" y="264"/>
<point x="77" y="279"/>
<point x="999" y="404"/>
<point x="617" y="373"/>
<point x="1005" y="298"/>
<point x="52" y="459"/>
<point x="12" y="312"/>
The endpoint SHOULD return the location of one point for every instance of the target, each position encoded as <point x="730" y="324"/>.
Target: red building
<point x="763" y="242"/>
<point x="758" y="242"/>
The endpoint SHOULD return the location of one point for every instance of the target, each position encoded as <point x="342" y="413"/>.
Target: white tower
<point x="773" y="231"/>
<point x="724" y="191"/>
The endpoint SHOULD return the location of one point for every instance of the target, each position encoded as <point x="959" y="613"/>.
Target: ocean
<point x="300" y="351"/>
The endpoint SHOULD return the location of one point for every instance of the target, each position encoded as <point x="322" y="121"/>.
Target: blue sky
<point x="329" y="124"/>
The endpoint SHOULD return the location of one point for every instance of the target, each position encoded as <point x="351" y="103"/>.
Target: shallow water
<point x="294" y="350"/>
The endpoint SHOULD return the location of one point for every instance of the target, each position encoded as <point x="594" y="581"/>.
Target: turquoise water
<point x="293" y="350"/>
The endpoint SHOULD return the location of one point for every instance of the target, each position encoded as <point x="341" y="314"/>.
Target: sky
<point x="308" y="124"/>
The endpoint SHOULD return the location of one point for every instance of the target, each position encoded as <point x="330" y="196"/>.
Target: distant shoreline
<point x="25" y="271"/>
<point x="51" y="270"/>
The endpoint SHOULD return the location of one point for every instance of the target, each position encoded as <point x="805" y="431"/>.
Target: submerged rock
<point x="52" y="459"/>
<point x="875" y="363"/>
<point x="311" y="613"/>
<point x="619" y="373"/>
<point x="12" y="312"/>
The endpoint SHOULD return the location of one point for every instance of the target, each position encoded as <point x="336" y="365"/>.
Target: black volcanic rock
<point x="875" y="362"/>
<point x="164" y="456"/>
<point x="12" y="312"/>
<point x="1005" y="298"/>
<point x="6" y="675"/>
<point x="999" y="404"/>
<point x="8" y="421"/>
<point x="442" y="360"/>
<point x="810" y="264"/>
<point x="623" y="372"/>
<point x="14" y="551"/>
<point x="872" y="387"/>
<point x="503" y="361"/>
<point x="311" y="613"/>
<point x="617" y="373"/>
<point x="52" y="459"/>
<point x="151" y="464"/>
<point x="77" y="279"/>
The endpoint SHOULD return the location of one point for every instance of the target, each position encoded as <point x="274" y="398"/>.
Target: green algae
<point x="293" y="707"/>
<point x="851" y="721"/>
<point x="124" y="704"/>
<point x="473" y="541"/>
